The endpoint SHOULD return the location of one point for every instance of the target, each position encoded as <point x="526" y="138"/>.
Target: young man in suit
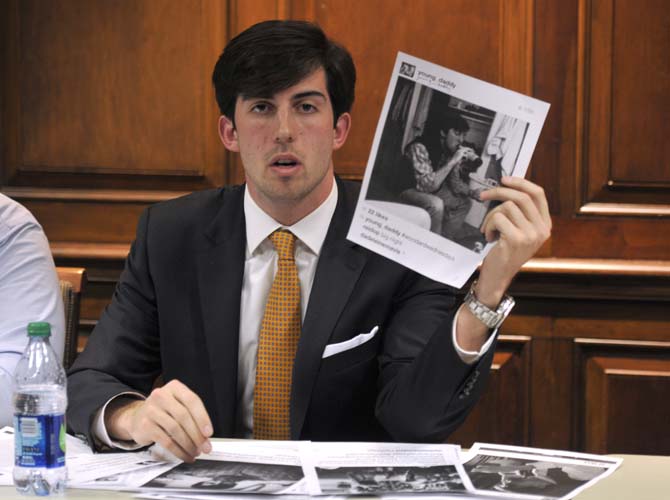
<point x="383" y="353"/>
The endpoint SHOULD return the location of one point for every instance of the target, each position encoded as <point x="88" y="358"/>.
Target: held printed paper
<point x="442" y="138"/>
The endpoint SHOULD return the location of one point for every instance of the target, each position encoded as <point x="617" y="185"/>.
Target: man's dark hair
<point x="272" y="56"/>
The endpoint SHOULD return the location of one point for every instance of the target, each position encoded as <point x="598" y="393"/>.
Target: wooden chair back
<point x="72" y="283"/>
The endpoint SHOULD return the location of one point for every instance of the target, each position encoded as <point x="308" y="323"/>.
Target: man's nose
<point x="285" y="127"/>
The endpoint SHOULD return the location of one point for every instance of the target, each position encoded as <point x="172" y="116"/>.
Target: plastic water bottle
<point x="40" y="401"/>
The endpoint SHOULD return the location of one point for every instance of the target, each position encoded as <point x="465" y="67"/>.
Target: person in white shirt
<point x="383" y="353"/>
<point x="29" y="291"/>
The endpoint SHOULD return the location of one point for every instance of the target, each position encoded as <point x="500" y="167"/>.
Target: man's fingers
<point x="197" y="410"/>
<point x="498" y="223"/>
<point x="184" y="418"/>
<point x="178" y="413"/>
<point x="193" y="416"/>
<point x="175" y="429"/>
<point x="520" y="198"/>
<point x="530" y="198"/>
<point x="534" y="191"/>
<point x="165" y="440"/>
<point x="188" y="409"/>
<point x="514" y="214"/>
<point x="152" y="424"/>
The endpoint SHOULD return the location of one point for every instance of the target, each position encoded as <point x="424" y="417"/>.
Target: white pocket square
<point x="333" y="349"/>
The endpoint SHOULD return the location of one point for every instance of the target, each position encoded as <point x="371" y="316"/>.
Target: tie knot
<point x="284" y="242"/>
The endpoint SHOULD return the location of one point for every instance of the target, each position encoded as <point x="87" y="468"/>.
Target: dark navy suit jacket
<point x="176" y="312"/>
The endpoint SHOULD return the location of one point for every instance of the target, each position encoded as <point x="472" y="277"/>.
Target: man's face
<point x="286" y="144"/>
<point x="451" y="139"/>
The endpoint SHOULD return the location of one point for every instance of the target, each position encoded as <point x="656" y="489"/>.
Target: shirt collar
<point x="310" y="230"/>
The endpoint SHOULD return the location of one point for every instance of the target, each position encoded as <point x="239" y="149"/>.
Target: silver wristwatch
<point x="491" y="318"/>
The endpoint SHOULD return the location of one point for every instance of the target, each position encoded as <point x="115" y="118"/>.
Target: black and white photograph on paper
<point x="511" y="470"/>
<point x="442" y="138"/>
<point x="386" y="468"/>
<point x="228" y="477"/>
<point x="396" y="479"/>
<point x="436" y="154"/>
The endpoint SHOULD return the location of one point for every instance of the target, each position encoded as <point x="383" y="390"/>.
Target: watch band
<point x="491" y="318"/>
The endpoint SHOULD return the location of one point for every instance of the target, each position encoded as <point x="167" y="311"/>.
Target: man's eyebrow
<point x="308" y="93"/>
<point x="296" y="97"/>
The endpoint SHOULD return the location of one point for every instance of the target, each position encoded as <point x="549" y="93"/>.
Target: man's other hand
<point x="173" y="416"/>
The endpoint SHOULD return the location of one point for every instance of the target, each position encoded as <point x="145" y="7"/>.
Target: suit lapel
<point x="339" y="267"/>
<point x="220" y="274"/>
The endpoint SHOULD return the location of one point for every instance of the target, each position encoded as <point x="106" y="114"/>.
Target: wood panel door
<point x="625" y="389"/>
<point x="108" y="107"/>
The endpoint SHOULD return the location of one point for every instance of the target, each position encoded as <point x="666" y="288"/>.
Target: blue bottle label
<point x="39" y="441"/>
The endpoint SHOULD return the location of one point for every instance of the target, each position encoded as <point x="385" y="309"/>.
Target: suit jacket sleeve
<point x="122" y="353"/>
<point x="425" y="389"/>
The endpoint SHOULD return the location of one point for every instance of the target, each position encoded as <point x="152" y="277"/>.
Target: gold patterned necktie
<point x="277" y="345"/>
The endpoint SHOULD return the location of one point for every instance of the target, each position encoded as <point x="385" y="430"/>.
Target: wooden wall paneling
<point x="601" y="236"/>
<point x="554" y="76"/>
<point x="501" y="416"/>
<point x="8" y="87"/>
<point x="551" y="394"/>
<point x="640" y="105"/>
<point x="613" y="320"/>
<point x="577" y="62"/>
<point x="113" y="89"/>
<point x="498" y="56"/>
<point x="612" y="279"/>
<point x="627" y="83"/>
<point x="516" y="53"/>
<point x="109" y="109"/>
<point x="624" y="396"/>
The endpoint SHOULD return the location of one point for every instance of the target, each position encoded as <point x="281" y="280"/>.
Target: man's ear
<point x="341" y="131"/>
<point x="228" y="134"/>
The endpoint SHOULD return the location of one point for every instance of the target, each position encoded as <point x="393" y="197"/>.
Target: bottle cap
<point x="39" y="329"/>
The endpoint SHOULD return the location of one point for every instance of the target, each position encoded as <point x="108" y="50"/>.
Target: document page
<point x="385" y="468"/>
<point x="510" y="471"/>
<point x="239" y="467"/>
<point x="442" y="138"/>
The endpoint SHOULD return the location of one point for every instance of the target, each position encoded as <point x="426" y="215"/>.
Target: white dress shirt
<point x="260" y="266"/>
<point x="29" y="291"/>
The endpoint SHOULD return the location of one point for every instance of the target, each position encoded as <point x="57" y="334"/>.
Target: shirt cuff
<point x="470" y="357"/>
<point x="100" y="431"/>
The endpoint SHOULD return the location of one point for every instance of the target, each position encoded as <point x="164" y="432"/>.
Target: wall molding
<point x="88" y="195"/>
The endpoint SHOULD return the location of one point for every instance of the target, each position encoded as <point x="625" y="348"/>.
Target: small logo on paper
<point x="407" y="69"/>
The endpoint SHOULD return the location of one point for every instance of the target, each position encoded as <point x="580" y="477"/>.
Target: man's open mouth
<point x="284" y="161"/>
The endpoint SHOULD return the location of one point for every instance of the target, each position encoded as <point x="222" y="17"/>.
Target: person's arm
<point x="99" y="430"/>
<point x="172" y="415"/>
<point x="426" y="387"/>
<point x="123" y="355"/>
<point x="29" y="291"/>
<point x="521" y="224"/>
